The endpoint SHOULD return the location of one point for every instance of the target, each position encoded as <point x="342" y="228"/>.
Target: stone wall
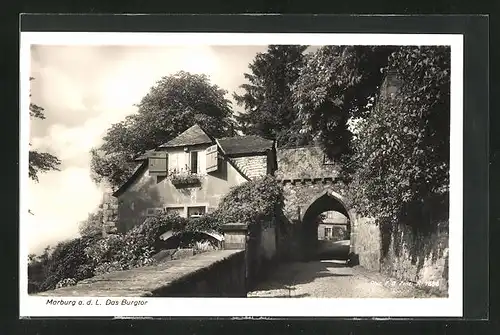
<point x="416" y="257"/>
<point x="252" y="166"/>
<point x="299" y="194"/>
<point x="109" y="207"/>
<point x="224" y="278"/>
<point x="304" y="162"/>
<point x="366" y="241"/>
<point x="268" y="243"/>
<point x="212" y="274"/>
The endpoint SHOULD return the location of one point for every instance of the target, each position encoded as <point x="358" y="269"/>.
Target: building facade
<point x="190" y="174"/>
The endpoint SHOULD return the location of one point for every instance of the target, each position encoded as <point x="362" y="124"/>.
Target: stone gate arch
<point x="326" y="200"/>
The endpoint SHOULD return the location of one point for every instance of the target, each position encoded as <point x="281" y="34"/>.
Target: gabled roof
<point x="250" y="144"/>
<point x="144" y="155"/>
<point x="192" y="136"/>
<point x="137" y="172"/>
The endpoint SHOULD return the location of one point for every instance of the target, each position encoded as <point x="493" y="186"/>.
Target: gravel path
<point x="331" y="279"/>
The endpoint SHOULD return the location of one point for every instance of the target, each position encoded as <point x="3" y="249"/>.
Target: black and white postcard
<point x="241" y="174"/>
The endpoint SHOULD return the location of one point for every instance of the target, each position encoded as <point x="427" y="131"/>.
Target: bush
<point x="109" y="267"/>
<point x="66" y="282"/>
<point x="208" y="222"/>
<point x="254" y="202"/>
<point x="68" y="260"/>
<point x="106" y="249"/>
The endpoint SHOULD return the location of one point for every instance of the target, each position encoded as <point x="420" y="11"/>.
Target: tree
<point x="337" y="84"/>
<point x="269" y="109"/>
<point x="402" y="157"/>
<point x="40" y="162"/>
<point x="174" y="104"/>
<point x="93" y="224"/>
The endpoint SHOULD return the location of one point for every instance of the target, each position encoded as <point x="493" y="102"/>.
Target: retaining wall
<point x="213" y="274"/>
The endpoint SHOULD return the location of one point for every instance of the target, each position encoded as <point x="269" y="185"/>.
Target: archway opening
<point x="326" y="229"/>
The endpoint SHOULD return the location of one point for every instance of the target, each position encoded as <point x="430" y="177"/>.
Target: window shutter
<point x="158" y="163"/>
<point x="212" y="159"/>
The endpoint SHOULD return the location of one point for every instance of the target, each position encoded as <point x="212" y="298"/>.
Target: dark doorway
<point x="326" y="229"/>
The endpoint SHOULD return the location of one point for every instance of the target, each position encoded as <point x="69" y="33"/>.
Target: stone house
<point x="333" y="226"/>
<point x="190" y="174"/>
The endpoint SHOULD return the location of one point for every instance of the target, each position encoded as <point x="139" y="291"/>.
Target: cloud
<point x="59" y="202"/>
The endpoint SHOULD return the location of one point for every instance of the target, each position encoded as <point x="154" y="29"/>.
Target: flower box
<point x="184" y="179"/>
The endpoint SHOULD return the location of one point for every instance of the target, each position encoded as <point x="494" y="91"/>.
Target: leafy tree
<point x="402" y="156"/>
<point x="37" y="270"/>
<point x="174" y="104"/>
<point x="40" y="162"/>
<point x="269" y="109"/>
<point x="337" y="84"/>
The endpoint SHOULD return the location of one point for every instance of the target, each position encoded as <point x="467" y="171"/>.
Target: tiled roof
<point x="250" y="144"/>
<point x="192" y="136"/>
<point x="144" y="155"/>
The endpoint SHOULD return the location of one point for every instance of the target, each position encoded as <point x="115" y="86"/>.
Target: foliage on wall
<point x="253" y="202"/>
<point x="402" y="157"/>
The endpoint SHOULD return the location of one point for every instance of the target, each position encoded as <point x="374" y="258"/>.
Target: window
<point x="327" y="160"/>
<point x="198" y="211"/>
<point x="194" y="162"/>
<point x="175" y="210"/>
<point x="328" y="232"/>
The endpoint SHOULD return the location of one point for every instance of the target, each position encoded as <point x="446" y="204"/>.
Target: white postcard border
<point x="33" y="306"/>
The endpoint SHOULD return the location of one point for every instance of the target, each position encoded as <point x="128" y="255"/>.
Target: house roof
<point x="192" y="136"/>
<point x="144" y="155"/>
<point x="250" y="144"/>
<point x="138" y="170"/>
<point x="237" y="145"/>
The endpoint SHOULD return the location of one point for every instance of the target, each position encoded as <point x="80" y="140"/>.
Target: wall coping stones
<point x="234" y="227"/>
<point x="143" y="281"/>
<point x="292" y="181"/>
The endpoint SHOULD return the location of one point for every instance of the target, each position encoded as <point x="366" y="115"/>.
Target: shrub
<point x="203" y="246"/>
<point x="254" y="202"/>
<point x="106" y="249"/>
<point x="147" y="234"/>
<point x="109" y="267"/>
<point x="208" y="222"/>
<point x="68" y="260"/>
<point x="66" y="282"/>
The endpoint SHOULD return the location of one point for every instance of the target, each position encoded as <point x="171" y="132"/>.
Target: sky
<point x="84" y="90"/>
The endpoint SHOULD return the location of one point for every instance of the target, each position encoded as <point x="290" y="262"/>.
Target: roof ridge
<point x="243" y="136"/>
<point x="196" y="132"/>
